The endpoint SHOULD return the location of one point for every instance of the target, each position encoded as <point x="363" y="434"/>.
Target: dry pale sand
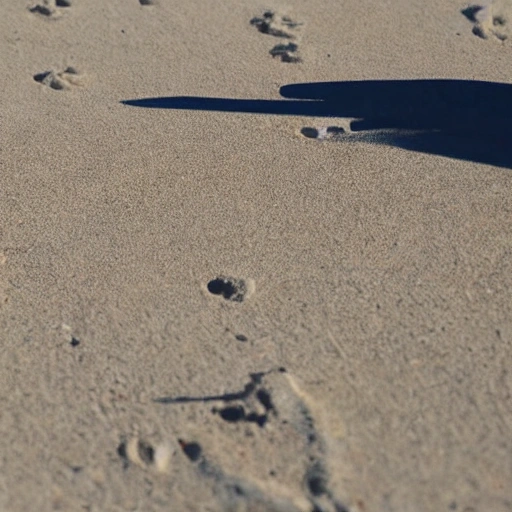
<point x="366" y="365"/>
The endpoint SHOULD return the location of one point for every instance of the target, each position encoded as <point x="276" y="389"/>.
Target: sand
<point x="213" y="305"/>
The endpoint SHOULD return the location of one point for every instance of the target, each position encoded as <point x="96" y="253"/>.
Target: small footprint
<point x="274" y="25"/>
<point x="286" y="52"/>
<point x="60" y="80"/>
<point x="143" y="454"/>
<point x="323" y="133"/>
<point x="50" y="8"/>
<point x="284" y="27"/>
<point x="491" y="20"/>
<point x="231" y="288"/>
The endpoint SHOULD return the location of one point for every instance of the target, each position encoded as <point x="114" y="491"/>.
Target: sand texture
<point x="255" y="256"/>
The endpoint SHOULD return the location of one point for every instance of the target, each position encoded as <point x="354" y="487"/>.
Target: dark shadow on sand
<point x="468" y="120"/>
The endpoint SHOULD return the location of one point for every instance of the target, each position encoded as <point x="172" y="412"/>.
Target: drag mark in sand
<point x="278" y="408"/>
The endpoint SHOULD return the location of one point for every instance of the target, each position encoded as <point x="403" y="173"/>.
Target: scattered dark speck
<point x="74" y="342"/>
<point x="238" y="490"/>
<point x="63" y="3"/>
<point x="241" y="337"/>
<point x="453" y="505"/>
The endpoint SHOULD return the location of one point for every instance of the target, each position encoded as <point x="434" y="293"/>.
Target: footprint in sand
<point x="273" y="24"/>
<point x="60" y="80"/>
<point x="491" y="19"/>
<point x="231" y="288"/>
<point x="50" y="8"/>
<point x="323" y="133"/>
<point x="144" y="454"/>
<point x="270" y="420"/>
<point x="286" y="52"/>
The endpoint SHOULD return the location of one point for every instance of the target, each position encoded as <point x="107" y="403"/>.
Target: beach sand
<point x="207" y="308"/>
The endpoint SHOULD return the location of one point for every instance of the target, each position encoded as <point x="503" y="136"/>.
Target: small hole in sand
<point x="39" y="77"/>
<point x="259" y="419"/>
<point x="232" y="414"/>
<point x="335" y="130"/>
<point x="121" y="450"/>
<point x="230" y="288"/>
<point x="264" y="398"/>
<point x="309" y="132"/>
<point x="221" y="287"/>
<point x="317" y="480"/>
<point x="471" y="12"/>
<point x="191" y="450"/>
<point x="146" y="452"/>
